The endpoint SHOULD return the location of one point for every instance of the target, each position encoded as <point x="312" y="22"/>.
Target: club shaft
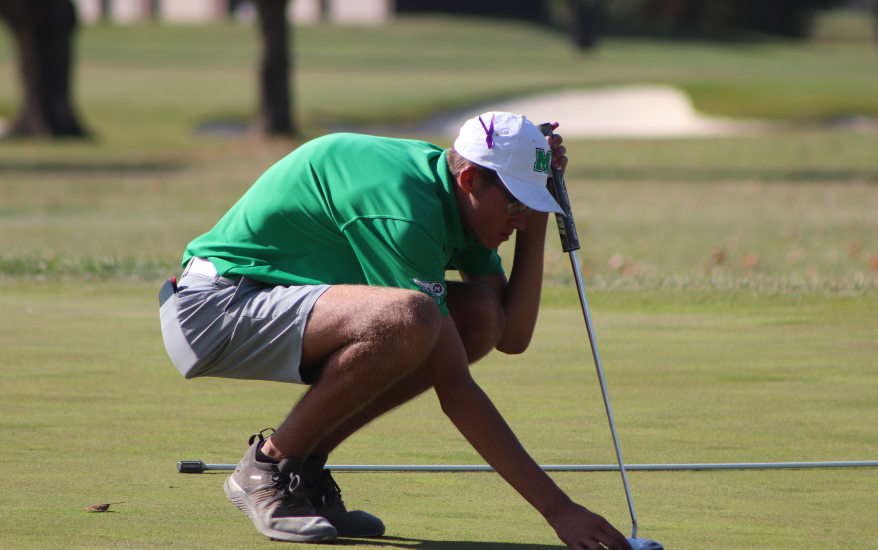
<point x="570" y="244"/>
<point x="574" y="261"/>
<point x="583" y="467"/>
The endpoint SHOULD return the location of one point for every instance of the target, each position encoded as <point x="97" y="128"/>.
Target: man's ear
<point x="467" y="179"/>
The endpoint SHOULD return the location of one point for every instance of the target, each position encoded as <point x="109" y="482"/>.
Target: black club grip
<point x="555" y="184"/>
<point x="190" y="467"/>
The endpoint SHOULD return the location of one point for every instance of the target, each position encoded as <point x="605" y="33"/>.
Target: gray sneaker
<point x="273" y="497"/>
<point x="325" y="494"/>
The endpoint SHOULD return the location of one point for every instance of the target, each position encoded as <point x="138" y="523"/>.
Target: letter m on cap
<point x="542" y="162"/>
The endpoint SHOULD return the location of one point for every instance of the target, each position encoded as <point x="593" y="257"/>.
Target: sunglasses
<point x="515" y="207"/>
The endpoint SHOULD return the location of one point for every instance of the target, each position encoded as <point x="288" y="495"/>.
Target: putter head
<point x="645" y="544"/>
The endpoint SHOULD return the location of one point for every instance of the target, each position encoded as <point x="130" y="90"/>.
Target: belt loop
<point x="188" y="265"/>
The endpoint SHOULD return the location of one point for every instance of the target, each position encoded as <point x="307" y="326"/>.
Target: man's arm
<point x="475" y="416"/>
<point x="520" y="295"/>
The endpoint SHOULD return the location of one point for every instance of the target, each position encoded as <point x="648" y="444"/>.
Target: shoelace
<point x="330" y="492"/>
<point x="285" y="486"/>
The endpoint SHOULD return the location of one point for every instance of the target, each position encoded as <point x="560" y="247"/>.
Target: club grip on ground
<point x="555" y="185"/>
<point x="191" y="466"/>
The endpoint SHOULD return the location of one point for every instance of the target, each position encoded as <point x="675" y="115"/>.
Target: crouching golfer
<point x="330" y="271"/>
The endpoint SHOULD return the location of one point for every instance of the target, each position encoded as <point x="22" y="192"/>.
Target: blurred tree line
<point x="586" y="20"/>
<point x="44" y="31"/>
<point x="723" y="19"/>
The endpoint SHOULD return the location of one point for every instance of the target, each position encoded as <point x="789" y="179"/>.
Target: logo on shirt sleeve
<point x="436" y="290"/>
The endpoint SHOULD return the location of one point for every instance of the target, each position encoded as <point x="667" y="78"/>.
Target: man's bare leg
<point x="479" y="318"/>
<point x="367" y="338"/>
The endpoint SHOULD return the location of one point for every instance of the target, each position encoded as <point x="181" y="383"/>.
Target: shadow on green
<point x="110" y="167"/>
<point x="422" y="544"/>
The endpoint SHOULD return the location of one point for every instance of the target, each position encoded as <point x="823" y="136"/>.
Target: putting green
<point x="732" y="282"/>
<point x="93" y="412"/>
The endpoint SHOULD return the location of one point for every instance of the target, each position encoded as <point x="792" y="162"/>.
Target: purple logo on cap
<point x="489" y="132"/>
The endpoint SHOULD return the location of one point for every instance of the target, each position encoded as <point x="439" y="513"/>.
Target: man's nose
<point x="519" y="222"/>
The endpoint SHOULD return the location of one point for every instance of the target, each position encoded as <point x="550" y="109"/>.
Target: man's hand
<point x="558" y="151"/>
<point x="579" y="529"/>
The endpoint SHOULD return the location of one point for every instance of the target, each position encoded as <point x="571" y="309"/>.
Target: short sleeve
<point x="477" y="260"/>
<point x="399" y="253"/>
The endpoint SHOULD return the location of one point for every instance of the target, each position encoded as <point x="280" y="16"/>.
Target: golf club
<point x="570" y="244"/>
<point x="199" y="467"/>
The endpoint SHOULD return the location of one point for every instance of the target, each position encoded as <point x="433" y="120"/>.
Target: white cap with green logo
<point x="514" y="147"/>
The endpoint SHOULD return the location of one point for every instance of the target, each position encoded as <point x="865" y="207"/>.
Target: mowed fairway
<point x="93" y="412"/>
<point x="733" y="284"/>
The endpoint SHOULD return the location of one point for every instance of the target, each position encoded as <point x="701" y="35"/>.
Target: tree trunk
<point x="587" y="17"/>
<point x="875" y="18"/>
<point x="43" y="31"/>
<point x="275" y="98"/>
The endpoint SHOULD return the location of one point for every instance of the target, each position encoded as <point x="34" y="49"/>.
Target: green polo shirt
<point x="349" y="209"/>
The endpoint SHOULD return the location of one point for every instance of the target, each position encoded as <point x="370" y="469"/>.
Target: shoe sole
<point x="352" y="532"/>
<point x="239" y="498"/>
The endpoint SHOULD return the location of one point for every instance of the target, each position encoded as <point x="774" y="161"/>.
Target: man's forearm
<point x="521" y="298"/>
<point x="472" y="412"/>
<point x="476" y="417"/>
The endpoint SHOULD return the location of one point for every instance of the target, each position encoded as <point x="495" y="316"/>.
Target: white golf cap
<point x="514" y="147"/>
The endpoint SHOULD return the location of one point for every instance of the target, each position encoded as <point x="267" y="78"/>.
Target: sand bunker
<point x="648" y="111"/>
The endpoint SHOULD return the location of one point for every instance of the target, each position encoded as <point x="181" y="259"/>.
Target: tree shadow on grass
<point x="71" y="167"/>
<point x="422" y="544"/>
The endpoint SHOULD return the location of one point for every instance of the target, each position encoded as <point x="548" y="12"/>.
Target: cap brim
<point x="537" y="198"/>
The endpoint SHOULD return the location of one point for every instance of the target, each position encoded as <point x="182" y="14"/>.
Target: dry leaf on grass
<point x="101" y="507"/>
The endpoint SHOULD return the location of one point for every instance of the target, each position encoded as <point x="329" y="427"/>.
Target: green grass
<point x="93" y="412"/>
<point x="732" y="282"/>
<point x="650" y="213"/>
<point x="802" y="205"/>
<point x="844" y="26"/>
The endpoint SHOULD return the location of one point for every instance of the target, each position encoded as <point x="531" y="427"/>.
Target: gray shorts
<point x="244" y="329"/>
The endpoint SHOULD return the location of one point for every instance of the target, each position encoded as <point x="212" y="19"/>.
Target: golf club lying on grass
<point x="199" y="467"/>
<point x="570" y="244"/>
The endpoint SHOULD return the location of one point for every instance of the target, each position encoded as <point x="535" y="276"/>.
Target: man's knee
<point x="401" y="322"/>
<point x="478" y="315"/>
<point x="407" y="314"/>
